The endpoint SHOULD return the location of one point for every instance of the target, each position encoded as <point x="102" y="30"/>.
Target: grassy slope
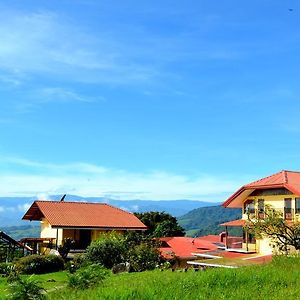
<point x="279" y="280"/>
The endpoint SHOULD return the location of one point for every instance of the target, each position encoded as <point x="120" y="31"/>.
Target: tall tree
<point x="160" y="224"/>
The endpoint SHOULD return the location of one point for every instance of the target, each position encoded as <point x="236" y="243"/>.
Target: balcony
<point x="288" y="214"/>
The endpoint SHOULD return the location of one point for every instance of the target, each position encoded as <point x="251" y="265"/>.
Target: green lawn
<point x="278" y="280"/>
<point x="50" y="282"/>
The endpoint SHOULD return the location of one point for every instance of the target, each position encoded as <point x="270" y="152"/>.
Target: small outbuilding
<point x="83" y="222"/>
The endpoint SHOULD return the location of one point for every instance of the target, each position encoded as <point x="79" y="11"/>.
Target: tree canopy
<point x="160" y="224"/>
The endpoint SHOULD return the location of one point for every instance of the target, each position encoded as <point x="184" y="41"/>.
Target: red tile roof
<point x="234" y="223"/>
<point x="185" y="246"/>
<point x="61" y="214"/>
<point x="283" y="179"/>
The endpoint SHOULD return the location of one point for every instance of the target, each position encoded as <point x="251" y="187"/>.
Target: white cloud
<point x="19" y="208"/>
<point x="92" y="180"/>
<point x="23" y="207"/>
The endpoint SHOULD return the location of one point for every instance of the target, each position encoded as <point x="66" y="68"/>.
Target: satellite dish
<point x="63" y="198"/>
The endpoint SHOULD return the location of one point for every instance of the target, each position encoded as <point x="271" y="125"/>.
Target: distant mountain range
<point x="13" y="208"/>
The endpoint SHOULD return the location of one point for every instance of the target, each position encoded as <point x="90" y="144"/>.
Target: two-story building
<point x="280" y="190"/>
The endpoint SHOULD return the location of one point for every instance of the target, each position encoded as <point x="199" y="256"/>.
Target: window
<point x="297" y="205"/>
<point x="249" y="207"/>
<point x="261" y="205"/>
<point x="261" y="208"/>
<point x="288" y="205"/>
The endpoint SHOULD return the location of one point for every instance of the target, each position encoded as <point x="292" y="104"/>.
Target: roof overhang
<point x="237" y="199"/>
<point x="97" y="228"/>
<point x="33" y="213"/>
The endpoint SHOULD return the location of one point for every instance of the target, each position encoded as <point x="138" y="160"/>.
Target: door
<point x="84" y="238"/>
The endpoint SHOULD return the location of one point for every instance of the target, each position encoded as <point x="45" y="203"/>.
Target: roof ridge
<point x="261" y="179"/>
<point x="77" y="202"/>
<point x="92" y="203"/>
<point x="289" y="171"/>
<point x="285" y="177"/>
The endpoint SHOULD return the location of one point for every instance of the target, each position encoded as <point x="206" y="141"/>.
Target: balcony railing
<point x="288" y="214"/>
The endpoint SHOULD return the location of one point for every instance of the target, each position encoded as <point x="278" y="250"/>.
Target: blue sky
<point x="147" y="99"/>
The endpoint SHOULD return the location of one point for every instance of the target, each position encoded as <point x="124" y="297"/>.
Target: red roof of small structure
<point x="234" y="223"/>
<point x="185" y="246"/>
<point x="61" y="214"/>
<point x="210" y="238"/>
<point x="283" y="179"/>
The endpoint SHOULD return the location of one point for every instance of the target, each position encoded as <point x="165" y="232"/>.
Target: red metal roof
<point x="185" y="246"/>
<point x="61" y="214"/>
<point x="210" y="238"/>
<point x="283" y="179"/>
<point x="234" y="223"/>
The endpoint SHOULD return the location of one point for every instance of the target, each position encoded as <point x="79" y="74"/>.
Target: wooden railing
<point x="288" y="214"/>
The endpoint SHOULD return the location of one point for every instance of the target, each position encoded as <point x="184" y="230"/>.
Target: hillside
<point x="19" y="232"/>
<point x="206" y="220"/>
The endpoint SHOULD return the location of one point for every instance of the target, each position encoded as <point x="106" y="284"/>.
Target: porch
<point x="245" y="244"/>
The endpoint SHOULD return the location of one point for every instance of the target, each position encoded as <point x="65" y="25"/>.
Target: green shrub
<point x="108" y="250"/>
<point x="5" y="268"/>
<point x="79" y="260"/>
<point x="40" y="264"/>
<point x="87" y="277"/>
<point x="26" y="289"/>
<point x="143" y="257"/>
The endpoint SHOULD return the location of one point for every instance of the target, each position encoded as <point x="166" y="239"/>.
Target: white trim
<point x="206" y="255"/>
<point x="210" y="265"/>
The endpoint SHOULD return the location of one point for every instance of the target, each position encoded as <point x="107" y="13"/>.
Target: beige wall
<point x="264" y="246"/>
<point x="48" y="232"/>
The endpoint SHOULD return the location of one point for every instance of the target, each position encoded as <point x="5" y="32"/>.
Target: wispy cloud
<point x="44" y="43"/>
<point x="36" y="98"/>
<point x="85" y="179"/>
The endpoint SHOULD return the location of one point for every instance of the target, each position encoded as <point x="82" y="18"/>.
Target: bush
<point x="40" y="264"/>
<point x="108" y="250"/>
<point x="6" y="268"/>
<point x="79" y="260"/>
<point x="87" y="277"/>
<point x="143" y="257"/>
<point x="26" y="289"/>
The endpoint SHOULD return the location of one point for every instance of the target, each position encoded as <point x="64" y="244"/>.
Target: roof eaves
<point x="232" y="197"/>
<point x="62" y="226"/>
<point x="292" y="189"/>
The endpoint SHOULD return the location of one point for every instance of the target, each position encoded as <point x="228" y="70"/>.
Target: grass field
<point x="278" y="280"/>
<point x="50" y="282"/>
